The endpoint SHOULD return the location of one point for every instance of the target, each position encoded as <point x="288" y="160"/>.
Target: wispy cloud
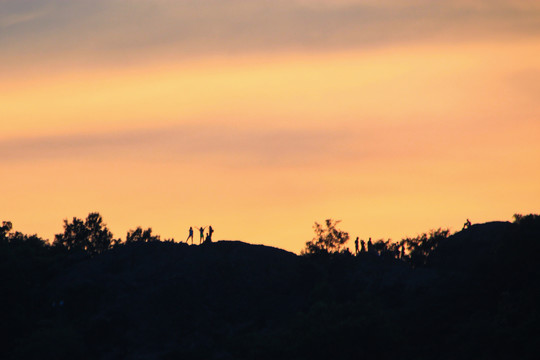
<point x="230" y="146"/>
<point x="117" y="30"/>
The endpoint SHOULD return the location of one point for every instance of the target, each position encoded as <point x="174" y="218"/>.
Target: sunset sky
<point x="261" y="117"/>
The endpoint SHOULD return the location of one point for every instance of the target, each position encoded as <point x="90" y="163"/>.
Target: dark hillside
<point x="153" y="296"/>
<point x="471" y="249"/>
<point x="475" y="297"/>
<point x="485" y="293"/>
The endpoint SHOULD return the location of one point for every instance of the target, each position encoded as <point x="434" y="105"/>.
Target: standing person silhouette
<point x="201" y="232"/>
<point x="210" y="232"/>
<point x="190" y="235"/>
<point x="356" y="246"/>
<point x="370" y="246"/>
<point x="363" y="249"/>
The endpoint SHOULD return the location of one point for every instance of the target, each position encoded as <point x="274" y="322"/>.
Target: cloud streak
<point x="124" y="31"/>
<point x="262" y="148"/>
<point x="231" y="147"/>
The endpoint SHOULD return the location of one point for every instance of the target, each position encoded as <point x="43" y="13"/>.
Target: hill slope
<point x="475" y="298"/>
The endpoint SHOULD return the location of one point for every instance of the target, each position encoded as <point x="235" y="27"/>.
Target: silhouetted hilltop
<point x="160" y="293"/>
<point x="471" y="248"/>
<point x="474" y="294"/>
<point x="160" y="297"/>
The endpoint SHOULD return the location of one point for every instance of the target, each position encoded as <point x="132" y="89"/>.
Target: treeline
<point x="331" y="241"/>
<point x="28" y="263"/>
<point x="468" y="295"/>
<point x="93" y="236"/>
<point x="90" y="235"/>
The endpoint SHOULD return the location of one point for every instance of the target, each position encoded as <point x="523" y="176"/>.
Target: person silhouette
<point x="201" y="232"/>
<point x="210" y="232"/>
<point x="208" y="238"/>
<point x="356" y="246"/>
<point x="369" y="245"/>
<point x="363" y="248"/>
<point x="467" y="224"/>
<point x="190" y="235"/>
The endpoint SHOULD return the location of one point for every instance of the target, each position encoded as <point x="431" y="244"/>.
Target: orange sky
<point x="262" y="137"/>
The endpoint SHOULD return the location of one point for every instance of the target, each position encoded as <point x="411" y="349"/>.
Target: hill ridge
<point x="474" y="295"/>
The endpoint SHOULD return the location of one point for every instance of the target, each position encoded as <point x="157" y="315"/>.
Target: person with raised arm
<point x="201" y="232"/>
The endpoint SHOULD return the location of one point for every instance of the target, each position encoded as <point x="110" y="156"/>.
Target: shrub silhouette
<point x="91" y="235"/>
<point x="328" y="239"/>
<point x="5" y="229"/>
<point x="422" y="246"/>
<point x="140" y="235"/>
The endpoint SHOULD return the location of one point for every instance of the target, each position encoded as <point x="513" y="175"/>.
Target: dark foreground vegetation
<point x="470" y="295"/>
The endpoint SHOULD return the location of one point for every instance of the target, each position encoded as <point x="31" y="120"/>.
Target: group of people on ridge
<point x="363" y="249"/>
<point x="401" y="249"/>
<point x="207" y="239"/>
<point x="372" y="248"/>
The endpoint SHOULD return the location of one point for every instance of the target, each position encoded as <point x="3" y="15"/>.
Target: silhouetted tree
<point x="380" y="246"/>
<point x="91" y="235"/>
<point x="5" y="229"/>
<point x="328" y="238"/>
<point x="519" y="218"/>
<point x="386" y="248"/>
<point x="420" y="247"/>
<point x="140" y="235"/>
<point x="19" y="240"/>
